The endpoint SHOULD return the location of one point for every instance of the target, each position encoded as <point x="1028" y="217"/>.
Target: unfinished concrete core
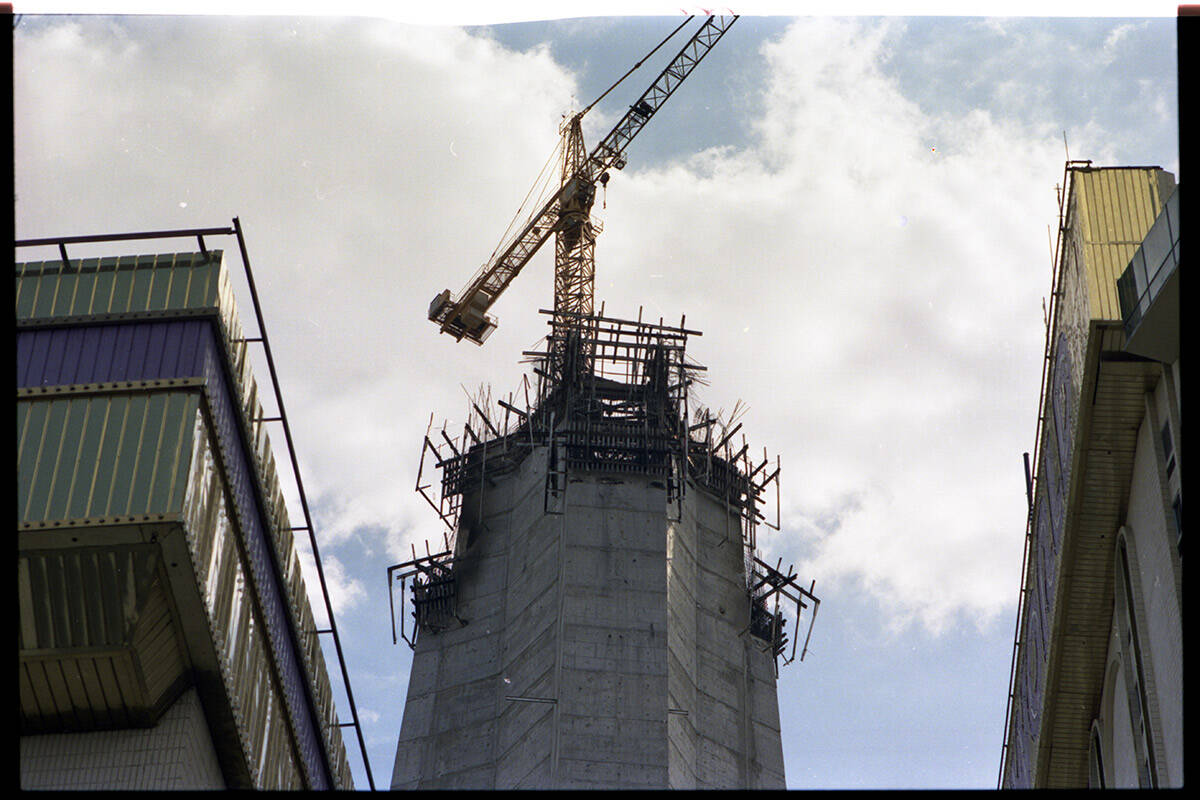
<point x="591" y="625"/>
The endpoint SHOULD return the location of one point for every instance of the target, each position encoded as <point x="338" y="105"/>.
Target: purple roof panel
<point x="106" y="353"/>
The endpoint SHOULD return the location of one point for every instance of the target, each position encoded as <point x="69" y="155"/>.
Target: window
<point x="1135" y="680"/>
<point x="1095" y="759"/>
<point x="1177" y="507"/>
<point x="1168" y="445"/>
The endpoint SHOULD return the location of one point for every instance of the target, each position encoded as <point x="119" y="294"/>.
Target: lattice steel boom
<point x="567" y="213"/>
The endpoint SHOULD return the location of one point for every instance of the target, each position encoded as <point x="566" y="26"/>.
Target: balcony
<point x="1149" y="289"/>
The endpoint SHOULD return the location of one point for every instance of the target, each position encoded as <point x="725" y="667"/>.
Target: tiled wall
<point x="175" y="754"/>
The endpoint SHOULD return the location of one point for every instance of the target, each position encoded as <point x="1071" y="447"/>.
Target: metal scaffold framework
<point x="628" y="414"/>
<point x="607" y="395"/>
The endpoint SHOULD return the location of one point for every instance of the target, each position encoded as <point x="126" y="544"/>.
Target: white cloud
<point x="867" y="271"/>
<point x="895" y="367"/>
<point x="345" y="592"/>
<point x="1114" y="39"/>
<point x="366" y="165"/>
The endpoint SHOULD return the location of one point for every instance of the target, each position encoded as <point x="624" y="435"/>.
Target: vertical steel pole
<point x="287" y="432"/>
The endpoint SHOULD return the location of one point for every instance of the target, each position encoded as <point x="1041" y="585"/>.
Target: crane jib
<point x="610" y="152"/>
<point x="465" y="316"/>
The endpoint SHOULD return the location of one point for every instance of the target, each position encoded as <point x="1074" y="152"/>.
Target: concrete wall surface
<point x="604" y="647"/>
<point x="724" y="712"/>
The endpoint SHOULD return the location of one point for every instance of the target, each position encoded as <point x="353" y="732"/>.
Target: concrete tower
<point x="598" y="618"/>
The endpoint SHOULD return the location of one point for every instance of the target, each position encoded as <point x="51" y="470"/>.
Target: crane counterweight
<point x="439" y="302"/>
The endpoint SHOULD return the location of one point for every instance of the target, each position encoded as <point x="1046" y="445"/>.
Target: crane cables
<point x="541" y="184"/>
<point x="542" y="187"/>
<point x="670" y="36"/>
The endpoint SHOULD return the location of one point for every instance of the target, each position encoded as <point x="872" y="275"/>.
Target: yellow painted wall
<point x="1114" y="209"/>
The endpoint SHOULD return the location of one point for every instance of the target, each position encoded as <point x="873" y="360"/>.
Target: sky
<point x="856" y="211"/>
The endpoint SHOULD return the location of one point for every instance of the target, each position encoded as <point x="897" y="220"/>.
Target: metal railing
<point x="1031" y="470"/>
<point x="1155" y="260"/>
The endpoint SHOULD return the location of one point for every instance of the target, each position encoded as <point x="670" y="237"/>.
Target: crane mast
<point x="567" y="215"/>
<point x="575" y="236"/>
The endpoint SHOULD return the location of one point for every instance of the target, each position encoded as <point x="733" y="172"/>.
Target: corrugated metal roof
<point x="1115" y="208"/>
<point x="103" y="456"/>
<point x="117" y="285"/>
<point x="115" y="288"/>
<point x="125" y="351"/>
<point x="82" y="597"/>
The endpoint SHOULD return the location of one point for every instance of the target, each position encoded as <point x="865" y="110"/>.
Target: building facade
<point x="598" y="618"/>
<point x="1096" y="697"/>
<point x="165" y="635"/>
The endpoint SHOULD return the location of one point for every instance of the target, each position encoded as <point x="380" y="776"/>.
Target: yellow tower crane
<point x="568" y="212"/>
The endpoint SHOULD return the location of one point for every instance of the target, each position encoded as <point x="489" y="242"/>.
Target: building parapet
<point x="1149" y="278"/>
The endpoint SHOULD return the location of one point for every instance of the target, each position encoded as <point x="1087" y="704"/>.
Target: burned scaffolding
<point x="607" y="396"/>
